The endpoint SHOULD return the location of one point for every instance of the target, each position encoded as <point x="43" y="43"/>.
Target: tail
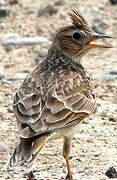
<point x="26" y="152"/>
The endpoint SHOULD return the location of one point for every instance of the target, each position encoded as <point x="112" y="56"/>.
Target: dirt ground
<point x="94" y="147"/>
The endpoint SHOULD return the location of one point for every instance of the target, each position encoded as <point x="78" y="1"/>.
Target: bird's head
<point x="77" y="39"/>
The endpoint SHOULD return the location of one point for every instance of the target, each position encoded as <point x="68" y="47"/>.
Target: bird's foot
<point x="30" y="176"/>
<point x="69" y="176"/>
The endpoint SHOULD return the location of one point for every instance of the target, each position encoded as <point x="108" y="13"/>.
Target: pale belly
<point x="66" y="132"/>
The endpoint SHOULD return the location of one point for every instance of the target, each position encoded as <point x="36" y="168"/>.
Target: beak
<point x="96" y="37"/>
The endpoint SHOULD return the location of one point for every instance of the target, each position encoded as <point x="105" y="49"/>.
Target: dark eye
<point x="77" y="36"/>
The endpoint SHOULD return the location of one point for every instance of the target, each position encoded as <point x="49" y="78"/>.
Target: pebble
<point x="12" y="2"/>
<point x="46" y="9"/>
<point x="113" y="2"/>
<point x="99" y="26"/>
<point x="103" y="114"/>
<point x="10" y="109"/>
<point x="109" y="77"/>
<point x="4" y="12"/>
<point x="25" y="71"/>
<point x="20" y="75"/>
<point x="6" y="82"/>
<point x="3" y="147"/>
<point x="111" y="173"/>
<point x="10" y="35"/>
<point x="59" y="2"/>
<point x="3" y="110"/>
<point x="2" y="73"/>
<point x="113" y="72"/>
<point x="112" y="119"/>
<point x="29" y="11"/>
<point x="2" y="2"/>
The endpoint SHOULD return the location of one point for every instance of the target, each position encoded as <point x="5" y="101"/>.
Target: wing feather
<point x="69" y="99"/>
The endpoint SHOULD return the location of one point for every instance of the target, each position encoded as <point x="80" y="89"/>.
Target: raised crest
<point x="79" y="21"/>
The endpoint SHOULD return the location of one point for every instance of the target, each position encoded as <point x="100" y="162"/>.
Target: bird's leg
<point x="66" y="151"/>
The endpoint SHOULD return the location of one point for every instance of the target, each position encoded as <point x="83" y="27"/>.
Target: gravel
<point x="94" y="148"/>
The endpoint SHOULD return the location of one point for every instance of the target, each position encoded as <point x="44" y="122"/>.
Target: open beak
<point x="96" y="37"/>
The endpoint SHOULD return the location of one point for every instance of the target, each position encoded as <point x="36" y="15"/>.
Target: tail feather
<point x="21" y="154"/>
<point x="26" y="152"/>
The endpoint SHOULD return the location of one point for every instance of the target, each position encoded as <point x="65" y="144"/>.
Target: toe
<point x="30" y="176"/>
<point x="69" y="177"/>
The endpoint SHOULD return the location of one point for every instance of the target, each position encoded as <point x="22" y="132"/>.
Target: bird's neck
<point x="56" y="59"/>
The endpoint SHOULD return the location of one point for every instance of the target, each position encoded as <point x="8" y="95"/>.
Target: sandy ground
<point x="94" y="147"/>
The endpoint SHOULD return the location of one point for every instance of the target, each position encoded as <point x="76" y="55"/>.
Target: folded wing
<point x="69" y="98"/>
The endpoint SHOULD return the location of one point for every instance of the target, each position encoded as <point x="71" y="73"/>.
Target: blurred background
<point x="94" y="147"/>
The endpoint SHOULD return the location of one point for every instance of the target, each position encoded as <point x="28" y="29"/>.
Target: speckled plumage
<point x="55" y="97"/>
<point x="57" y="79"/>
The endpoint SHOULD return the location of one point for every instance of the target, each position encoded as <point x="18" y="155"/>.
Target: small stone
<point x="70" y="157"/>
<point x="112" y="119"/>
<point x="90" y="140"/>
<point x="109" y="77"/>
<point x="10" y="36"/>
<point x="4" y="12"/>
<point x="10" y="109"/>
<point x="96" y="155"/>
<point x="113" y="2"/>
<point x="85" y="122"/>
<point x="20" y="76"/>
<point x="99" y="26"/>
<point x="29" y="11"/>
<point x="1" y="73"/>
<point x="6" y="83"/>
<point x="25" y="71"/>
<point x="2" y="2"/>
<point x="103" y="114"/>
<point x="78" y="159"/>
<point x="111" y="173"/>
<point x="46" y="9"/>
<point x="12" y="2"/>
<point x="114" y="72"/>
<point x="3" y="147"/>
<point x="59" y="2"/>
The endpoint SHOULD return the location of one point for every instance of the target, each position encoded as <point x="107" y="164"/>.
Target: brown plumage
<point x="79" y="21"/>
<point x="56" y="96"/>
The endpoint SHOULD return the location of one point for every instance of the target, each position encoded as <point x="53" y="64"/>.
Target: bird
<point x="56" y="96"/>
